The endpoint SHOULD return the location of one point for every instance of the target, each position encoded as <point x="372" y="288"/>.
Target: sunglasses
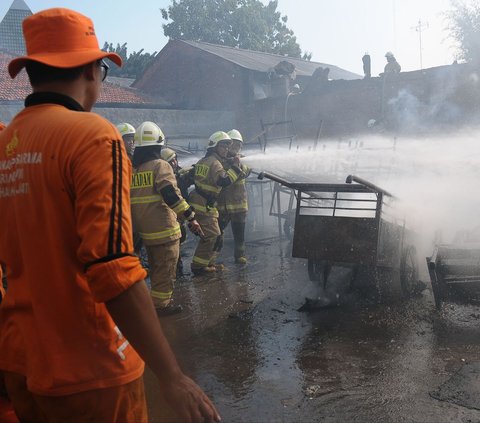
<point x="104" y="68"/>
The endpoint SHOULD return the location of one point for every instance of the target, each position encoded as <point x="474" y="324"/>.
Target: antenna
<point x="421" y="26"/>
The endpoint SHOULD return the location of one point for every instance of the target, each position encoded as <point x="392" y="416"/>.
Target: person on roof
<point x="392" y="65"/>
<point x="78" y="318"/>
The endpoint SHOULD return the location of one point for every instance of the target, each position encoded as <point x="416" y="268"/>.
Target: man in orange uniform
<point x="78" y="315"/>
<point x="7" y="414"/>
<point x="2" y="292"/>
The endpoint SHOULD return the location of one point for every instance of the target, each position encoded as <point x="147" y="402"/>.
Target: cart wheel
<point x="409" y="271"/>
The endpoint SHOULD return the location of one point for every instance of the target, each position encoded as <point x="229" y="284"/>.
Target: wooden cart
<point x="354" y="224"/>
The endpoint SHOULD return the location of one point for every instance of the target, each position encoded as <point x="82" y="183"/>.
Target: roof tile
<point x="17" y="89"/>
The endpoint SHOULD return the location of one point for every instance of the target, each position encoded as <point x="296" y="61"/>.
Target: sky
<point x="336" y="32"/>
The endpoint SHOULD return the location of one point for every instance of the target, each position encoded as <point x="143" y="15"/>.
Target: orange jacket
<point x="2" y="291"/>
<point x="67" y="245"/>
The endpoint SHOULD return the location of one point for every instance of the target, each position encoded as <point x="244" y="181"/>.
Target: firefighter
<point x="127" y="131"/>
<point x="156" y="205"/>
<point x="392" y="65"/>
<point x="184" y="175"/>
<point x="184" y="181"/>
<point x="210" y="177"/>
<point x="232" y="201"/>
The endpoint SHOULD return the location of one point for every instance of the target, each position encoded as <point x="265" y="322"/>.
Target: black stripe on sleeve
<point x="111" y="231"/>
<point x="170" y="196"/>
<point x="120" y="189"/>
<point x="107" y="259"/>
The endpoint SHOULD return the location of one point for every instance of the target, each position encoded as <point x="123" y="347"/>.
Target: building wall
<point x="190" y="78"/>
<point x="418" y="102"/>
<point x="413" y="102"/>
<point x="181" y="127"/>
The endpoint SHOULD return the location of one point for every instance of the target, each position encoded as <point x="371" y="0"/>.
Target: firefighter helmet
<point x="147" y="134"/>
<point x="125" y="129"/>
<point x="168" y="154"/>
<point x="235" y="135"/>
<point x="218" y="137"/>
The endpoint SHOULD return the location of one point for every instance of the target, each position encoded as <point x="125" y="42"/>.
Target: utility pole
<point x="421" y="26"/>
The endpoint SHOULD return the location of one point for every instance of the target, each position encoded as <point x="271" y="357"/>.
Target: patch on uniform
<point x="11" y="147"/>
<point x="142" y="179"/>
<point x="201" y="170"/>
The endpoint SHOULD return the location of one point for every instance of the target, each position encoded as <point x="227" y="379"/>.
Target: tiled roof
<point x="11" y="38"/>
<point x="17" y="89"/>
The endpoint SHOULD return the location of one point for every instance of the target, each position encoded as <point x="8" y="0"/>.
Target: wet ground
<point x="242" y="339"/>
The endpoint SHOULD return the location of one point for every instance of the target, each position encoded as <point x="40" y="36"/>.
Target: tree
<point x="133" y="64"/>
<point x="247" y="24"/>
<point x="464" y="27"/>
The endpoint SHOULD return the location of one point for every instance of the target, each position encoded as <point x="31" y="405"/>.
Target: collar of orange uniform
<point x="53" y="98"/>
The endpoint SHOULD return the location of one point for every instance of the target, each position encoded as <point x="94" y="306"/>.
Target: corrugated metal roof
<point x="264" y="62"/>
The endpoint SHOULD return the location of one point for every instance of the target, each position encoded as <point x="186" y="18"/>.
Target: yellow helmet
<point x="125" y="129"/>
<point x="168" y="154"/>
<point x="147" y="134"/>
<point x="217" y="137"/>
<point x="235" y="135"/>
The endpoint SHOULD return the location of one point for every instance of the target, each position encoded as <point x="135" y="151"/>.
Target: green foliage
<point x="133" y="64"/>
<point x="464" y="27"/>
<point x="247" y="24"/>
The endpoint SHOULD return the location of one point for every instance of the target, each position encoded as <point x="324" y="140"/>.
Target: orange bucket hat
<point x="61" y="38"/>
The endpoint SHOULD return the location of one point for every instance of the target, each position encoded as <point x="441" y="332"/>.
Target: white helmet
<point x="168" y="154"/>
<point x="235" y="135"/>
<point x="147" y="134"/>
<point x="217" y="137"/>
<point x="125" y="129"/>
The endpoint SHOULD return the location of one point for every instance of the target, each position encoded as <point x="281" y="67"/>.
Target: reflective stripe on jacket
<point x="153" y="219"/>
<point x="233" y="199"/>
<point x="208" y="171"/>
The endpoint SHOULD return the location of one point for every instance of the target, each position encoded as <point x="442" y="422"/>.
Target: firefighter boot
<point x="238" y="230"/>
<point x="168" y="309"/>
<point x="200" y="271"/>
